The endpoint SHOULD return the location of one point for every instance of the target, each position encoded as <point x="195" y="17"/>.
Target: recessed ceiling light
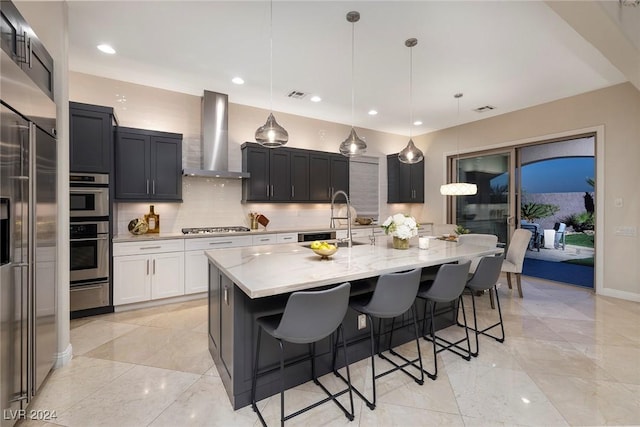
<point x="237" y="80"/>
<point x="372" y="112"/>
<point x="106" y="49"/>
<point x="417" y="123"/>
<point x="315" y="98"/>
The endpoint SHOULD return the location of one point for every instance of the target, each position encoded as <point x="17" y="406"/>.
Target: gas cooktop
<point x="211" y="230"/>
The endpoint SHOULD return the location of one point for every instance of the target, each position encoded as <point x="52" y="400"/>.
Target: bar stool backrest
<point x="449" y="283"/>
<point x="487" y="273"/>
<point x="395" y="293"/>
<point x="311" y="316"/>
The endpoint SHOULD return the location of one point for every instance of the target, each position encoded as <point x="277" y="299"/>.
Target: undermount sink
<point x="340" y="244"/>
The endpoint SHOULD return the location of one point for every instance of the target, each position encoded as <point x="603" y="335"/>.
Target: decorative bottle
<point x="153" y="219"/>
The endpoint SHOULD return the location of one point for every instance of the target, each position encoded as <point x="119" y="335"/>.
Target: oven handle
<point x="87" y="190"/>
<point x="90" y="239"/>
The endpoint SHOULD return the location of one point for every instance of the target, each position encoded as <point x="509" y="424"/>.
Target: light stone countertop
<point x="128" y="237"/>
<point x="262" y="271"/>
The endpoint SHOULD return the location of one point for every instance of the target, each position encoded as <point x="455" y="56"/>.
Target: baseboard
<point x="157" y="302"/>
<point x="614" y="293"/>
<point x="63" y="358"/>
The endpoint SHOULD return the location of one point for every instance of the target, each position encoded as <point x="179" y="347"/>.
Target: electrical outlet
<point x="362" y="321"/>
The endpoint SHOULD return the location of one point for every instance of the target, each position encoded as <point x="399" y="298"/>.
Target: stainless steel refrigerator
<point x="28" y="223"/>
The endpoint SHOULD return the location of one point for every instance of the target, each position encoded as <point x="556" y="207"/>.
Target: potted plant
<point x="402" y="227"/>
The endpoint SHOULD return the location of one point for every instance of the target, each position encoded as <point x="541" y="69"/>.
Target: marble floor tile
<point x="96" y="333"/>
<point x="205" y="403"/>
<point x="74" y="382"/>
<point x="588" y="332"/>
<point x="622" y="363"/>
<point x="387" y="414"/>
<point x="134" y="399"/>
<point x="502" y="395"/>
<point x="589" y="402"/>
<point x="179" y="318"/>
<point x="187" y="352"/>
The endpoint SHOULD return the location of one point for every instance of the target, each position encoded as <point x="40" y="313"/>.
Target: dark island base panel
<point x="233" y="333"/>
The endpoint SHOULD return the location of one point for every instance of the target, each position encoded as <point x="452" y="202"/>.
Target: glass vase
<point x="399" y="243"/>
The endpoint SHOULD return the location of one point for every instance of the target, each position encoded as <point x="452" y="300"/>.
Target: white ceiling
<point x="511" y="55"/>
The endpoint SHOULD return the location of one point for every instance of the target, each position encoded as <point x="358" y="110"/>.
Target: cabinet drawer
<point x="264" y="239"/>
<point x="217" y="242"/>
<point x="148" y="247"/>
<point x="287" y="237"/>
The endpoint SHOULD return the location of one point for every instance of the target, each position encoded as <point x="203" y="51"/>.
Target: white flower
<point x="401" y="226"/>
<point x="399" y="219"/>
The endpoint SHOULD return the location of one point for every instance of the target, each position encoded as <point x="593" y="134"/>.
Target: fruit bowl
<point x="325" y="252"/>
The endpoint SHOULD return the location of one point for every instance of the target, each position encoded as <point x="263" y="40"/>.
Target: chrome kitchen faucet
<point x="348" y="217"/>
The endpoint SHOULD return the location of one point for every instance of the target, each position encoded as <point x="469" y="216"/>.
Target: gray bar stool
<point x="485" y="278"/>
<point x="308" y="318"/>
<point x="447" y="287"/>
<point x="394" y="295"/>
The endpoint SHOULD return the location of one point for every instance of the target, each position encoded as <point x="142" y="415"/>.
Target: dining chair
<point x="514" y="259"/>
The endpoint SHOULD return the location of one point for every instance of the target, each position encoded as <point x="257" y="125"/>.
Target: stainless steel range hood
<point x="215" y="139"/>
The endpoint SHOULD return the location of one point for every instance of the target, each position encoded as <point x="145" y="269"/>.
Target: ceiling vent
<point x="296" y="94"/>
<point x="484" y="108"/>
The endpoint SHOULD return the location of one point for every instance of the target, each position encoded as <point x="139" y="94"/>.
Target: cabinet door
<point x="279" y="175"/>
<point x="405" y="188"/>
<point x="319" y="177"/>
<point x="90" y="139"/>
<point x="166" y="168"/>
<point x="299" y="176"/>
<point x="226" y="323"/>
<point x="133" y="166"/>
<point x="167" y="275"/>
<point x="339" y="173"/>
<point x="417" y="182"/>
<point x="393" y="179"/>
<point x="39" y="65"/>
<point x="255" y="160"/>
<point x="131" y="279"/>
<point x="195" y="272"/>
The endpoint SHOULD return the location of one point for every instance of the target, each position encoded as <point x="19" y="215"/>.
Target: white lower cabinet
<point x="144" y="271"/>
<point x="196" y="273"/>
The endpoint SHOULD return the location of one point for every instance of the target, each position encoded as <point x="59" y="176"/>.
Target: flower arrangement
<point x="401" y="226"/>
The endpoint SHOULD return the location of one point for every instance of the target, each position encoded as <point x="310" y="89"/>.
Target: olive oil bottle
<point x="153" y="220"/>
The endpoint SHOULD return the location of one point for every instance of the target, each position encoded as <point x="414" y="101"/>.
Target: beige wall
<point x="617" y="109"/>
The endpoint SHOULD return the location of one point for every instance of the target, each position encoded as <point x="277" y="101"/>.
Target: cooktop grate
<point x="211" y="230"/>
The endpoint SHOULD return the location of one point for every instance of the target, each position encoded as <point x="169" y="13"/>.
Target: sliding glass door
<point x="491" y="210"/>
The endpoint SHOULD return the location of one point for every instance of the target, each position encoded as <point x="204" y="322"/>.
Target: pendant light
<point x="458" y="188"/>
<point x="353" y="146"/>
<point x="271" y="134"/>
<point x="410" y="153"/>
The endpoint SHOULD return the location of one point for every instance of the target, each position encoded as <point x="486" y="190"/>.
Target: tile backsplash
<point x="211" y="202"/>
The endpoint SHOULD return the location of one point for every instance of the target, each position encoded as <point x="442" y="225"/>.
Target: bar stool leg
<point x="281" y="383"/>
<point x="372" y="405"/>
<point x="466" y="330"/>
<point x="432" y="332"/>
<point x="255" y="375"/>
<point x="346" y="364"/>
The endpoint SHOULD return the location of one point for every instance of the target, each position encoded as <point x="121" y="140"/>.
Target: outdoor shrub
<point x="532" y="211"/>
<point x="580" y="222"/>
<point x="589" y="206"/>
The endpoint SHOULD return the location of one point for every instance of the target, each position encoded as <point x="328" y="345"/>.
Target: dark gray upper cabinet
<point x="328" y="173"/>
<point x="148" y="165"/>
<point x="277" y="174"/>
<point x="90" y="138"/>
<point x="25" y="49"/>
<point x="405" y="183"/>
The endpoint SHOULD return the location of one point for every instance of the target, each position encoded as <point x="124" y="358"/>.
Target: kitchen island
<point x="249" y="282"/>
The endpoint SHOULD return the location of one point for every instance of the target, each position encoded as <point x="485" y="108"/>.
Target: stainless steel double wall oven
<point x="89" y="241"/>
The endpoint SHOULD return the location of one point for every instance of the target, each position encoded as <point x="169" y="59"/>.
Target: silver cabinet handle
<point x="226" y="295"/>
<point x="153" y="185"/>
<point x="266" y="239"/>
<point x="293" y="192"/>
<point x="147" y="267"/>
<point x="30" y="51"/>
<point x="287" y="238"/>
<point x="150" y="247"/>
<point x="219" y="243"/>
<point x="272" y="191"/>
<point x="154" y="266"/>
<point x="147" y="186"/>
<point x="267" y="187"/>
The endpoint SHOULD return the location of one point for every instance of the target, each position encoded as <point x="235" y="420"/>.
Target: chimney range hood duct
<point x="215" y="139"/>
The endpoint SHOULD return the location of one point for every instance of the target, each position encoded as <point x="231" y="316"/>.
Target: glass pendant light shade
<point x="458" y="189"/>
<point x="353" y="146"/>
<point x="410" y="154"/>
<point x="271" y="134"/>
